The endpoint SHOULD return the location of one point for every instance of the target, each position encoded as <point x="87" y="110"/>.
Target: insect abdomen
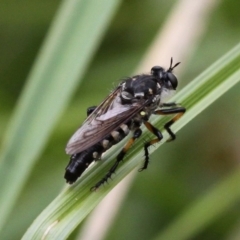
<point x="77" y="165"/>
<point x="79" y="162"/>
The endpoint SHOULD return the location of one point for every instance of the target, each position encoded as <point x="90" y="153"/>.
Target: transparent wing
<point x="108" y="116"/>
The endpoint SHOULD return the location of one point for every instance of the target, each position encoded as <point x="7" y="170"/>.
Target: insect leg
<point x="179" y="111"/>
<point x="137" y="133"/>
<point x="170" y="104"/>
<point x="159" y="136"/>
<point x="90" y="110"/>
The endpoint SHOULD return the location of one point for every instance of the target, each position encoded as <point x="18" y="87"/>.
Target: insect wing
<point x="108" y="116"/>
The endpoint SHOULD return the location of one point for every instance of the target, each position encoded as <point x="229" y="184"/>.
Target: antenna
<point x="172" y="67"/>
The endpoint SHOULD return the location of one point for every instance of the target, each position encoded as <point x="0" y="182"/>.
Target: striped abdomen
<point x="79" y="162"/>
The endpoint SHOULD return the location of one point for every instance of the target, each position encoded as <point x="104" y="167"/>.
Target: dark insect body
<point x="128" y="107"/>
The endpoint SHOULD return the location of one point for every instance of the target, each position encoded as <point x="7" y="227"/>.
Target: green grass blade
<point x="72" y="40"/>
<point x="59" y="219"/>
<point x="205" y="210"/>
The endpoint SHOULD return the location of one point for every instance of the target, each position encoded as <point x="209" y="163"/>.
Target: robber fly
<point x="126" y="108"/>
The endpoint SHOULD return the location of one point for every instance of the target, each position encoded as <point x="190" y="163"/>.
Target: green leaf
<point x="74" y="203"/>
<point x="61" y="62"/>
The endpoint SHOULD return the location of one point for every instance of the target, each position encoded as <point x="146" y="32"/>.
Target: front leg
<point x="170" y="104"/>
<point x="179" y="111"/>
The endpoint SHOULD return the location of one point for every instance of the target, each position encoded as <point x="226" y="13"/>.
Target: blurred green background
<point x="205" y="152"/>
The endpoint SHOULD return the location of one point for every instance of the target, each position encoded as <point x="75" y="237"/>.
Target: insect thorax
<point x="139" y="87"/>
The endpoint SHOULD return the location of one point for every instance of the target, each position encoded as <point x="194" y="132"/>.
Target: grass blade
<point x="214" y="203"/>
<point x="59" y="219"/>
<point x="61" y="62"/>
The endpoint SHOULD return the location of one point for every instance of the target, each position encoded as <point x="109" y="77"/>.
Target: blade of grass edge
<point x="61" y="62"/>
<point x="73" y="204"/>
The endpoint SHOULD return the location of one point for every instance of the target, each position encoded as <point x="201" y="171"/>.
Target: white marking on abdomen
<point x="125" y="128"/>
<point x="105" y="143"/>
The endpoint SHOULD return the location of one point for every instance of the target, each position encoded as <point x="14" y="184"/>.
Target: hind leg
<point x="120" y="157"/>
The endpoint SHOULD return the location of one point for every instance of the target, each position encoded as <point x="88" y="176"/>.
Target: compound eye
<point x="172" y="79"/>
<point x="157" y="71"/>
